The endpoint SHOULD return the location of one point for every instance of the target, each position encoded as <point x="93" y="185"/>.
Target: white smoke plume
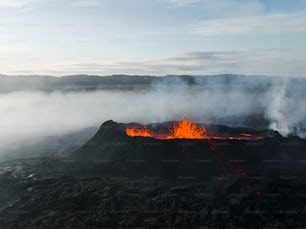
<point x="28" y="115"/>
<point x="278" y="120"/>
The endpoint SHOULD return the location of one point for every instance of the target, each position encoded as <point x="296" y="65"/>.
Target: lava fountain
<point x="187" y="129"/>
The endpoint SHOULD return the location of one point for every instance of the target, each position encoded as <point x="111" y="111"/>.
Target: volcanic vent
<point x="186" y="129"/>
<point x="184" y="149"/>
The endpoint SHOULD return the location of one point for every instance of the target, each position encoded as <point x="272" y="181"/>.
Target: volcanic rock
<point x="187" y="159"/>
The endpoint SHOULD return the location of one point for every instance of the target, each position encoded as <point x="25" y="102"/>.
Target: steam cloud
<point x="26" y="115"/>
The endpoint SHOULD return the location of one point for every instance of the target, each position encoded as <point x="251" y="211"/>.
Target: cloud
<point x="267" y="24"/>
<point x="259" y="62"/>
<point x="85" y="3"/>
<point x="17" y="4"/>
<point x="221" y="7"/>
<point x="203" y="3"/>
<point x="183" y="3"/>
<point x="15" y="49"/>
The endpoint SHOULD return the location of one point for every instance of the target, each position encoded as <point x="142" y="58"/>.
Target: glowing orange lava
<point x="143" y="132"/>
<point x="187" y="130"/>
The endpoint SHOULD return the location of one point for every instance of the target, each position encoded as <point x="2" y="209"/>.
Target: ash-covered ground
<point x="117" y="181"/>
<point x="43" y="193"/>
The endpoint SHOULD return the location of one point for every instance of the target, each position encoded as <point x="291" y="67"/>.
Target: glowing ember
<point x="187" y="130"/>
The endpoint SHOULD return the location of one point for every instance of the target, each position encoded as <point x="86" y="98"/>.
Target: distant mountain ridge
<point x="67" y="83"/>
<point x="131" y="82"/>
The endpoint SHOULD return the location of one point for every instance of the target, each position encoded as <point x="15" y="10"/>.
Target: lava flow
<point x="187" y="130"/>
<point x="143" y="132"/>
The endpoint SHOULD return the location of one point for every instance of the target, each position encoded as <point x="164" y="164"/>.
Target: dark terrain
<point x="116" y="181"/>
<point x="41" y="193"/>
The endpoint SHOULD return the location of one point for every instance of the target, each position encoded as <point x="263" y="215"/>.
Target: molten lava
<point x="187" y="130"/>
<point x="144" y="132"/>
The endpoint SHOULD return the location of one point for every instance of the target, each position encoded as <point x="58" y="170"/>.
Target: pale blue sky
<point x="56" y="37"/>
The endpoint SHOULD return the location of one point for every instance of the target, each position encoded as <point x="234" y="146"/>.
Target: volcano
<point x="175" y="174"/>
<point x="186" y="150"/>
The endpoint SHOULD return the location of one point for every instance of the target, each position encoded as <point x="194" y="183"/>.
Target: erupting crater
<point x="185" y="129"/>
<point x="183" y="149"/>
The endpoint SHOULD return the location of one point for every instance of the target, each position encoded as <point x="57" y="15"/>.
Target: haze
<point x="27" y="115"/>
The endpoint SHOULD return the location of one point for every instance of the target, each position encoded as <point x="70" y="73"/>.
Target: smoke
<point x="274" y="113"/>
<point x="29" y="115"/>
<point x="286" y="111"/>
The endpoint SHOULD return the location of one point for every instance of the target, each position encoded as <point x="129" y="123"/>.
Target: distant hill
<point x="129" y="82"/>
<point x="70" y="83"/>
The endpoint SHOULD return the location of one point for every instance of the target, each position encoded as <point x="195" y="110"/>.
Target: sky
<point x="156" y="37"/>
